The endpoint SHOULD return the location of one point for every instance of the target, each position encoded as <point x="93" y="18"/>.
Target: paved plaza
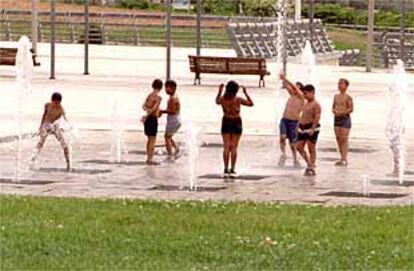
<point x="124" y="74"/>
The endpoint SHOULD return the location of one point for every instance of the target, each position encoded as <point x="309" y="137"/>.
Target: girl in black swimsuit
<point x="231" y="126"/>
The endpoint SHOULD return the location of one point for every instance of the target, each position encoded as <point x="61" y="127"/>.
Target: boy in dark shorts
<point x="150" y="120"/>
<point x="51" y="124"/>
<point x="289" y="123"/>
<point x="342" y="108"/>
<point x="308" y="130"/>
<point x="173" y="119"/>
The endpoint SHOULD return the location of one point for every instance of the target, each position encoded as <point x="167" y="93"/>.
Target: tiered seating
<point x="259" y="39"/>
<point x="391" y="49"/>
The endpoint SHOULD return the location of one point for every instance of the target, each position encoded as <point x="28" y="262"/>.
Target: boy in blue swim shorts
<point x="289" y="122"/>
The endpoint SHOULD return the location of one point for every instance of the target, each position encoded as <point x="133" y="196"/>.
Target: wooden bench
<point x="8" y="57"/>
<point x="228" y="65"/>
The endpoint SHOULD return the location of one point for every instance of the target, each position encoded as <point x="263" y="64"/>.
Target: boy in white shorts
<point x="50" y="124"/>
<point x="173" y="119"/>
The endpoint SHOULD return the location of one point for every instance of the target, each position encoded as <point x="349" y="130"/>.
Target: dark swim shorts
<point x="303" y="134"/>
<point x="343" y="122"/>
<point x="288" y="128"/>
<point x="231" y="126"/>
<point x="151" y="126"/>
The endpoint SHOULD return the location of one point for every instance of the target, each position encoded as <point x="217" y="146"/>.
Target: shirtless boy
<point x="308" y="130"/>
<point x="50" y="125"/>
<point x="342" y="108"/>
<point x="289" y="123"/>
<point x="150" y="120"/>
<point x="173" y="119"/>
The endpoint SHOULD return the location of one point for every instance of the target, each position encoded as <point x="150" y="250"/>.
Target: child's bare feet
<point x="310" y="172"/>
<point x="341" y="163"/>
<point x="296" y="164"/>
<point x="226" y="174"/>
<point x="282" y="160"/>
<point x="233" y="173"/>
<point x="170" y="159"/>
<point x="152" y="163"/>
<point x="395" y="173"/>
<point x="177" y="154"/>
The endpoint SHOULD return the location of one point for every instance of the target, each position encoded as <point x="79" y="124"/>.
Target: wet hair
<point x="172" y="84"/>
<point x="346" y="81"/>
<point x="308" y="88"/>
<point x="299" y="85"/>
<point x="157" y="84"/>
<point x="231" y="89"/>
<point x="56" y="97"/>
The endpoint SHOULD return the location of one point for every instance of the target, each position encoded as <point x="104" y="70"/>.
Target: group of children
<point x="54" y="113"/>
<point x="299" y="124"/>
<point x="153" y="112"/>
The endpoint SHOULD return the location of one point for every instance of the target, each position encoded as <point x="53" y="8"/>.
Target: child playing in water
<point x="289" y="123"/>
<point x="342" y="108"/>
<point x="50" y="124"/>
<point x="231" y="128"/>
<point x="173" y="119"/>
<point x="308" y="130"/>
<point x="150" y="120"/>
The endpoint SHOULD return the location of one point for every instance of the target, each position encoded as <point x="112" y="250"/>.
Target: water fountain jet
<point x="395" y="129"/>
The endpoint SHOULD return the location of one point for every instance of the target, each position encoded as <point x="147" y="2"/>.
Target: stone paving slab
<point x="125" y="73"/>
<point x="260" y="179"/>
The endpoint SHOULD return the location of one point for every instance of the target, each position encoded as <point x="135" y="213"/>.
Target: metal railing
<point x="113" y="28"/>
<point x="148" y="30"/>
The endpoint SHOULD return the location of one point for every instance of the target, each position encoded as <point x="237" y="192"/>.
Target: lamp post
<point x="281" y="35"/>
<point x="86" y="39"/>
<point x="168" y="39"/>
<point x="402" y="27"/>
<point x="311" y="19"/>
<point x="370" y="36"/>
<point x="52" y="38"/>
<point x="35" y="23"/>
<point x="298" y="9"/>
<point x="199" y="7"/>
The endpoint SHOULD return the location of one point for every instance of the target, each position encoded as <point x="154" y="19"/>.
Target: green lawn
<point x="78" y="234"/>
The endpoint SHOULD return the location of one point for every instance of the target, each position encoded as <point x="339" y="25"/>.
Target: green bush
<point x="329" y="13"/>
<point x="134" y="4"/>
<point x="336" y="14"/>
<point x="387" y="18"/>
<point x="219" y="7"/>
<point x="261" y="8"/>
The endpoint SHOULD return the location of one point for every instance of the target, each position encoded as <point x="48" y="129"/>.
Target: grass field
<point x="80" y="234"/>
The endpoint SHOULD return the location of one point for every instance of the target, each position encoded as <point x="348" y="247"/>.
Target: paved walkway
<point x="125" y="73"/>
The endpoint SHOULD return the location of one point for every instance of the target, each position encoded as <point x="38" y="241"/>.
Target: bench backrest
<point x="8" y="56"/>
<point x="202" y="64"/>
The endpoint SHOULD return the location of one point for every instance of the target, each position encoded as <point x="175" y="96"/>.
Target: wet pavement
<point x="96" y="173"/>
<point x="127" y="75"/>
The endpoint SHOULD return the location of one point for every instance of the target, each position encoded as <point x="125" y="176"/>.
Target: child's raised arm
<point x="248" y="101"/>
<point x="292" y="88"/>
<point x="219" y="94"/>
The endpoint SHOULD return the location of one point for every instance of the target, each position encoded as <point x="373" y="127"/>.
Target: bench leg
<point x="262" y="81"/>
<point x="197" y="79"/>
